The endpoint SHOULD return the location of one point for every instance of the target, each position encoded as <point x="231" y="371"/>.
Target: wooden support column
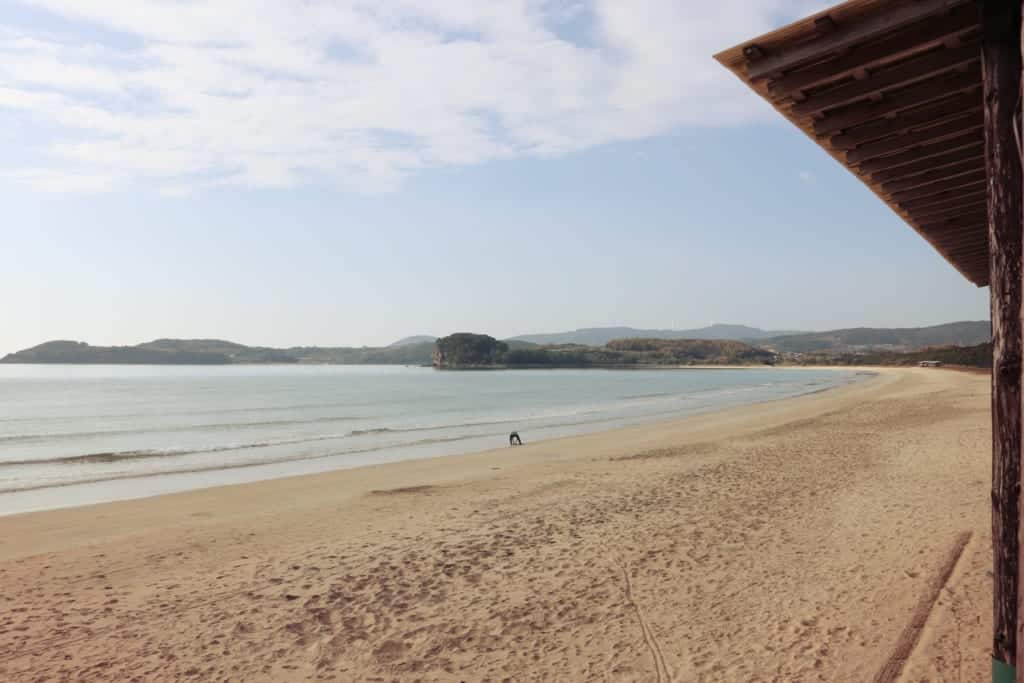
<point x="1001" y="76"/>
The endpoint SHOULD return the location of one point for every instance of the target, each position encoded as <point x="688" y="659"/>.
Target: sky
<point x="348" y="173"/>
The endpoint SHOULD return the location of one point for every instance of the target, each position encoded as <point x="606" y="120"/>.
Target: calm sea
<point x="73" y="435"/>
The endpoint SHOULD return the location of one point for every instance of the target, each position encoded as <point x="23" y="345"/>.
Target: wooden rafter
<point x="846" y="37"/>
<point x="918" y="69"/>
<point x="920" y="37"/>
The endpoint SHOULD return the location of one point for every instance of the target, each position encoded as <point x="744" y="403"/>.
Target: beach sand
<point x="842" y="536"/>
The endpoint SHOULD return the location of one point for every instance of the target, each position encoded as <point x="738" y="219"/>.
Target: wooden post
<point x="1001" y="76"/>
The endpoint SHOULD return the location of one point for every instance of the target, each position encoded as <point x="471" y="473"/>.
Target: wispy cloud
<point x="183" y="96"/>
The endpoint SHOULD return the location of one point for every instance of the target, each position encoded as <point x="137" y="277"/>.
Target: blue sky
<point x="352" y="173"/>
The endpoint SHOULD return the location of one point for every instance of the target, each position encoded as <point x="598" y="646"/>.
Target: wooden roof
<point x="892" y="90"/>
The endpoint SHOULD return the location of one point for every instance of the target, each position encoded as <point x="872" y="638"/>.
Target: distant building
<point x="930" y="363"/>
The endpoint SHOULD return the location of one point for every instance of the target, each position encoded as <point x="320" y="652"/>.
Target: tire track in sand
<point x="660" y="667"/>
<point x="893" y="667"/>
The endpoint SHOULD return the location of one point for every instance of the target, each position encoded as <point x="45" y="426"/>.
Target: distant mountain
<point x="415" y="339"/>
<point x="977" y="356"/>
<point x="80" y="352"/>
<point x="966" y="333"/>
<point x="599" y="336"/>
<point x="218" y="352"/>
<point x="525" y="349"/>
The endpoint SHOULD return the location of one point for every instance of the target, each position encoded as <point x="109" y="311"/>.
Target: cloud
<point x="362" y="95"/>
<point x="805" y="176"/>
<point x="51" y="180"/>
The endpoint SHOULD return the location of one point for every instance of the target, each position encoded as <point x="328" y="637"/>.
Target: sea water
<point x="80" y="434"/>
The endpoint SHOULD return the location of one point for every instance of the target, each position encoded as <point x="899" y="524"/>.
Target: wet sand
<point x="842" y="536"/>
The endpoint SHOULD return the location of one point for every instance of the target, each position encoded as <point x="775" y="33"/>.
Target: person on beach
<point x="514" y="440"/>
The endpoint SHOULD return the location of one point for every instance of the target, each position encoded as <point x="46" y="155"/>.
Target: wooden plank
<point x="966" y="230"/>
<point x="968" y="237"/>
<point x="965" y="250"/>
<point x="1001" y="74"/>
<point x="921" y="179"/>
<point x="977" y="249"/>
<point x="918" y="69"/>
<point x="973" y="179"/>
<point x="917" y="94"/>
<point x="945" y="200"/>
<point x="848" y="36"/>
<point x="929" y="162"/>
<point x="974" y="269"/>
<point x="980" y="258"/>
<point x="919" y="37"/>
<point x="964" y="222"/>
<point x="975" y="234"/>
<point x="951" y="129"/>
<point x="882" y="168"/>
<point x="977" y="272"/>
<point x="928" y="115"/>
<point x="945" y="213"/>
<point x="977" y="253"/>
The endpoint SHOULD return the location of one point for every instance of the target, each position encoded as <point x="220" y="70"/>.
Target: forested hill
<point x="218" y="352"/>
<point x="966" y="333"/>
<point x="468" y="351"/>
<point x="599" y="336"/>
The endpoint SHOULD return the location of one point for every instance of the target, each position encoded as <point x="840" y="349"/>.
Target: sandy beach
<point x="841" y="536"/>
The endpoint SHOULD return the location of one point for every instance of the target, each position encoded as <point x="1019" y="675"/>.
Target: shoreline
<point x="433" y="451"/>
<point x="437" y="464"/>
<point x="790" y="540"/>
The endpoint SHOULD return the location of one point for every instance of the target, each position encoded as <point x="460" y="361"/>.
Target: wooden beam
<point x="1001" y="74"/>
<point x="974" y="269"/>
<point x="979" y="256"/>
<point x="976" y="248"/>
<point x="977" y="266"/>
<point x="946" y="213"/>
<point x="974" y="179"/>
<point x="917" y="69"/>
<point x="974" y="226"/>
<point x="928" y="115"/>
<point x="915" y="95"/>
<point x="915" y="156"/>
<point x="847" y="36"/>
<point x="955" y="128"/>
<point x="967" y="237"/>
<point x="974" y="165"/>
<point x="963" y="249"/>
<point x="919" y="37"/>
<point x="958" y="224"/>
<point x="980" y="260"/>
<point x="945" y="200"/>
<point x="964" y="241"/>
<point x="929" y="161"/>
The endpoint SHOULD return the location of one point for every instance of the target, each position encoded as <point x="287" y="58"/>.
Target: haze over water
<point x="73" y="435"/>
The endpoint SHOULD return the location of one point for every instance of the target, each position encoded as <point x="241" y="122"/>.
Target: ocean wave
<point x="203" y="427"/>
<point x="137" y="454"/>
<point x="31" y="486"/>
<point x="375" y="430"/>
<point x="637" y="396"/>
